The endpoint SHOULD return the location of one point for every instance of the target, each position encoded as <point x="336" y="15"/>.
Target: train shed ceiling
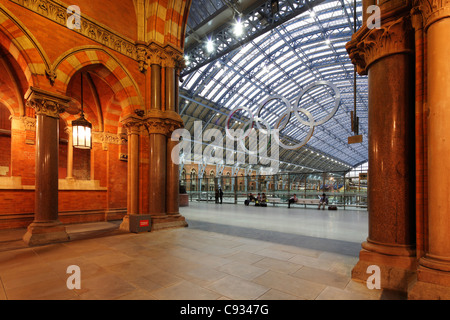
<point x="240" y="53"/>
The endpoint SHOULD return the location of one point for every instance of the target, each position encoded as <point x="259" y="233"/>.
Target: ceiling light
<point x="238" y="29"/>
<point x="210" y="46"/>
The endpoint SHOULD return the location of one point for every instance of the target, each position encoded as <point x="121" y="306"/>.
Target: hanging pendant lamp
<point x="81" y="128"/>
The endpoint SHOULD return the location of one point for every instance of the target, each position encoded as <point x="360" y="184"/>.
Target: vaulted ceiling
<point x="280" y="52"/>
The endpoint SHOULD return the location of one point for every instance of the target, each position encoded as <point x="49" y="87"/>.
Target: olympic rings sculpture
<point x="285" y="117"/>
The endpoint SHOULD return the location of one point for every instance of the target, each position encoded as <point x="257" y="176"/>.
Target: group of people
<point x="260" y="200"/>
<point x="322" y="202"/>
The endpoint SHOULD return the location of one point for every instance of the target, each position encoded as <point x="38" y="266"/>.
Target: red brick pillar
<point x="46" y="227"/>
<point x="387" y="56"/>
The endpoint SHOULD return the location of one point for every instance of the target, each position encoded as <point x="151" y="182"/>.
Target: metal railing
<point x="341" y="191"/>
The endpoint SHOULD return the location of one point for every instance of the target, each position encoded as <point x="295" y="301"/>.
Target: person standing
<point x="220" y="195"/>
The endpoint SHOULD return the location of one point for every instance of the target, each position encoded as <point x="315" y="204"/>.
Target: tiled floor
<point x="227" y="252"/>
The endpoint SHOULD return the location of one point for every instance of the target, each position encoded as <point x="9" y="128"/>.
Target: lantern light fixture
<point x="81" y="128"/>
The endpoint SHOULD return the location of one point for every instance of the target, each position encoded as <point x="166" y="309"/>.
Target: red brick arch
<point x="7" y="98"/>
<point x="167" y="20"/>
<point x="109" y="69"/>
<point x="24" y="48"/>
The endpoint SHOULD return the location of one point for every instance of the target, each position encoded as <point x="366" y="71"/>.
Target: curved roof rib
<point x="292" y="53"/>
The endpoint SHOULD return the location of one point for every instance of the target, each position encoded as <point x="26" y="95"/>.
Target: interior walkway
<point x="227" y="252"/>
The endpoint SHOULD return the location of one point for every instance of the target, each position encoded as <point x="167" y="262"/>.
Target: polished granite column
<point x="172" y="160"/>
<point x="69" y="132"/>
<point x="161" y="120"/>
<point x="387" y="56"/>
<point x="433" y="274"/>
<point x="133" y="125"/>
<point x="46" y="227"/>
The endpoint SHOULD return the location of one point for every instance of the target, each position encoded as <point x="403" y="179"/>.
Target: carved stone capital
<point x="24" y="123"/>
<point x="46" y="103"/>
<point x="142" y="56"/>
<point x="154" y="54"/>
<point x="433" y="10"/>
<point x="133" y="124"/>
<point x="162" y="126"/>
<point x="172" y="58"/>
<point x="156" y="126"/>
<point x="368" y="46"/>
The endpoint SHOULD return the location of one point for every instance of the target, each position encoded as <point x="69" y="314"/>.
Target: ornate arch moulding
<point x="56" y="11"/>
<point x="25" y="47"/>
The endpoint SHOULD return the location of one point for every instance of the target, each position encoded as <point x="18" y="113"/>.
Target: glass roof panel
<point x="283" y="62"/>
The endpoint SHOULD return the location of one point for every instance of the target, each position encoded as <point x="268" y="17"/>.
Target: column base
<point x="42" y="233"/>
<point x="397" y="271"/>
<point x="184" y="200"/>
<point x="162" y="222"/>
<point x="125" y="225"/>
<point x="430" y="284"/>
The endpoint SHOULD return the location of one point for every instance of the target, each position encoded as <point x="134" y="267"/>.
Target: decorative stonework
<point x="162" y="122"/>
<point x="163" y="56"/>
<point x="27" y="124"/>
<point x="57" y="12"/>
<point x="155" y="122"/>
<point x="46" y="103"/>
<point x="142" y="57"/>
<point x="157" y="126"/>
<point x="107" y="138"/>
<point x="433" y="10"/>
<point x="371" y="45"/>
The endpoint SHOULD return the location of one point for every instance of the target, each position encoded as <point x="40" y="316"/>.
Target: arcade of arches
<point x="130" y="53"/>
<point x="129" y="95"/>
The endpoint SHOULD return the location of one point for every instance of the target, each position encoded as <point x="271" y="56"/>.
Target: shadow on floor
<point x="321" y="244"/>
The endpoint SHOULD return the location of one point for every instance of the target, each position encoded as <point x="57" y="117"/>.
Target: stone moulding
<point x="433" y="10"/>
<point x="56" y="11"/>
<point x="368" y="46"/>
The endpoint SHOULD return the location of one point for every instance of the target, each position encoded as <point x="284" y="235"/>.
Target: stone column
<point x="433" y="274"/>
<point x="161" y="121"/>
<point x="387" y="56"/>
<point x="46" y="227"/>
<point x="69" y="154"/>
<point x="133" y="126"/>
<point x="157" y="164"/>
<point x="174" y="122"/>
<point x="172" y="170"/>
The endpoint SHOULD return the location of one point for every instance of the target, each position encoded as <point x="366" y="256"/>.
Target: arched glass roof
<point x="282" y="61"/>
